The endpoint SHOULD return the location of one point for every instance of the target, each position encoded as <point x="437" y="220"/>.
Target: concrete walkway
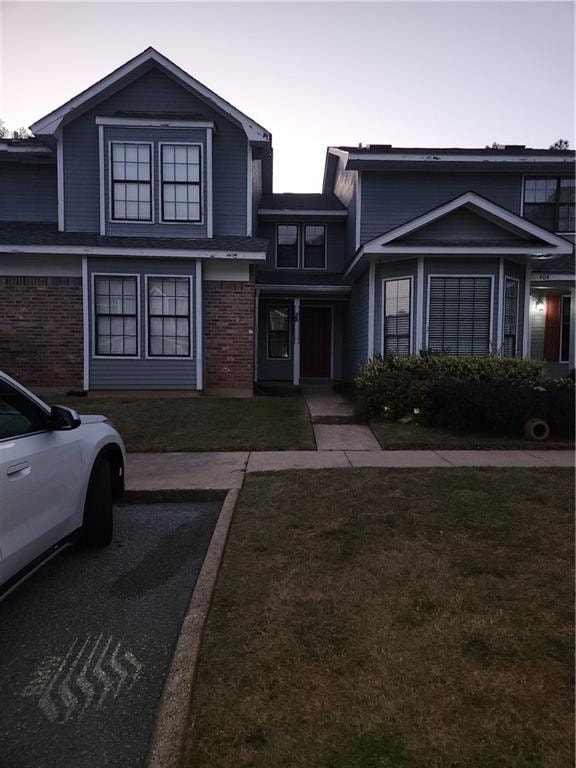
<point x="222" y="471"/>
<point x="333" y="421"/>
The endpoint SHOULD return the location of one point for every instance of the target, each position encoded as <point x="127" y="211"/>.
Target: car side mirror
<point x="62" y="418"/>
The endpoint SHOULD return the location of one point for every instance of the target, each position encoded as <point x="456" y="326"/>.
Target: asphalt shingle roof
<point x="16" y="233"/>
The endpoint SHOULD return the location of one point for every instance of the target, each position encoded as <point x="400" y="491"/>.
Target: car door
<point x="41" y="481"/>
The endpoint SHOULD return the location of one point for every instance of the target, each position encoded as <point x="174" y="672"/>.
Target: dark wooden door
<point x="315" y="342"/>
<point x="552" y="321"/>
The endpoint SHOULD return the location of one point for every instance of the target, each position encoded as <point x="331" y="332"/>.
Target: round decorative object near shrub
<point x="536" y="429"/>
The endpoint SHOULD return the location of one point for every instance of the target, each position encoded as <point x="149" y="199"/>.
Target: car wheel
<point x="98" y="512"/>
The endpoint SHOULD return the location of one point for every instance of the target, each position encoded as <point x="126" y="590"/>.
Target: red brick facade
<point x="41" y="338"/>
<point x="229" y="334"/>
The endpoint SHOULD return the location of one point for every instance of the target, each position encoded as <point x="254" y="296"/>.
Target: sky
<point x="435" y="74"/>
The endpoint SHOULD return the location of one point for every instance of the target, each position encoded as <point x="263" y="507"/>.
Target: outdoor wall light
<point x="539" y="306"/>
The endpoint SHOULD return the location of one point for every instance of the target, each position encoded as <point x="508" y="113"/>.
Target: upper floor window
<point x="549" y="202"/>
<point x="301" y="246"/>
<point x="287" y="246"/>
<point x="131" y="182"/>
<point x="180" y="169"/>
<point x="314" y="246"/>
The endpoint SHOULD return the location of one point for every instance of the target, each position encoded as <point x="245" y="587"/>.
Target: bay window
<point x="396" y="316"/>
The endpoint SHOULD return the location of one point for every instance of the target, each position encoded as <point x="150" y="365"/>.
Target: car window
<point x="18" y="414"/>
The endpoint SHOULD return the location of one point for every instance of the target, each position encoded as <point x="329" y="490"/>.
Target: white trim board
<point x="295" y="212"/>
<point x="181" y="253"/>
<point x="149" y="123"/>
<point x="50" y="123"/>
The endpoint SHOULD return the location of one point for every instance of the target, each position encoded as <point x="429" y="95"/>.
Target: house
<point x="142" y="247"/>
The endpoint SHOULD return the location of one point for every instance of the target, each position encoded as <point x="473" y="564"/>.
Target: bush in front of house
<point x="501" y="406"/>
<point x="395" y="386"/>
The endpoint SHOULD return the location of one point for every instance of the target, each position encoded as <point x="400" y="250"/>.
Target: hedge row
<point x="474" y="393"/>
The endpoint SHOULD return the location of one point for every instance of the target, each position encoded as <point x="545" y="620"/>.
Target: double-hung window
<point x="116" y="315"/>
<point x="510" y="317"/>
<point x="181" y="178"/>
<point x="397" y="322"/>
<point x="131" y="182"/>
<point x="168" y="317"/>
<point x="459" y="315"/>
<point x="287" y="251"/>
<point x="314" y="246"/>
<point x="549" y="202"/>
<point x="279" y="332"/>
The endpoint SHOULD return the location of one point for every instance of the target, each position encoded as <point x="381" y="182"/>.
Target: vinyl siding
<point x="461" y="225"/>
<point x="28" y="192"/>
<point x="356" y="328"/>
<point x="153" y="92"/>
<point x="346" y="184"/>
<point x="140" y="373"/>
<point x="391" y="199"/>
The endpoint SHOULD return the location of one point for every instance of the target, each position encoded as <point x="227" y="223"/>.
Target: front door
<point x="315" y="342"/>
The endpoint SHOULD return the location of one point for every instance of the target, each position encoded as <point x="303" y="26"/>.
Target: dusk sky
<point x="314" y="74"/>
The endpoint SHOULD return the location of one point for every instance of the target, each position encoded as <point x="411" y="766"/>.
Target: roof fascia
<point x="176" y="253"/>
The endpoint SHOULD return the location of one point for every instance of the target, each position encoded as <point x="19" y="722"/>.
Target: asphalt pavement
<point x="86" y="642"/>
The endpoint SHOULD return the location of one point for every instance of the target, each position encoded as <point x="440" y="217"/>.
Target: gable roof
<point x="525" y="238"/>
<point x="49" y="124"/>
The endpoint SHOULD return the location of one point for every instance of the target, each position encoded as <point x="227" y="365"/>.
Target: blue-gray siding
<point x="28" y="192"/>
<point x="356" y="328"/>
<point x="391" y="199"/>
<point x="141" y="373"/>
<point x="154" y="92"/>
<point x="460" y="225"/>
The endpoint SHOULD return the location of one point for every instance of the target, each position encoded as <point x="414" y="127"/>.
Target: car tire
<point x="98" y="522"/>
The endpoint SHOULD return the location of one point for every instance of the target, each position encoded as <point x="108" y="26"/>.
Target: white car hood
<point x="92" y="419"/>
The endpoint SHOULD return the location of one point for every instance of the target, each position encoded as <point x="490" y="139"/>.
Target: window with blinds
<point x="397" y="322"/>
<point x="459" y="315"/>
<point x="510" y="317"/>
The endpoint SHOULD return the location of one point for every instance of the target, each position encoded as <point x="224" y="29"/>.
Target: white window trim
<point x="111" y="218"/>
<point x="383" y="303"/>
<point x="186" y="223"/>
<point x="111" y="275"/>
<point x="514" y="279"/>
<point x="542" y="176"/>
<point x="298" y="236"/>
<point x="269" y="306"/>
<point x="564" y="296"/>
<point x="303" y="227"/>
<point x="147" y="355"/>
<point x="491" y="325"/>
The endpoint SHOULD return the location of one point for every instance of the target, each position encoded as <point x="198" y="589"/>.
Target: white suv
<point x="59" y="476"/>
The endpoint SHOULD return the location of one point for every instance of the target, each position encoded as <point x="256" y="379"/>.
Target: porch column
<point x="571" y="353"/>
<point x="296" y="350"/>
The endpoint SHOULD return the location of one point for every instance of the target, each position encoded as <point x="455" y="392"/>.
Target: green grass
<point x="392" y="619"/>
<point x="395" y="436"/>
<point x="203" y="423"/>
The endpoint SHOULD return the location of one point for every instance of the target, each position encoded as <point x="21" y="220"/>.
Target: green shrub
<point x="394" y="386"/>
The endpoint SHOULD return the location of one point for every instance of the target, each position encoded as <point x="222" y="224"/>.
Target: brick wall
<point x="229" y="334"/>
<point x="41" y="338"/>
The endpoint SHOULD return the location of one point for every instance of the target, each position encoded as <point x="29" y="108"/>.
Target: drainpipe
<point x="296" y="380"/>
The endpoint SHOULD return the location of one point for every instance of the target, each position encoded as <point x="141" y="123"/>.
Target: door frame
<point x="297" y="350"/>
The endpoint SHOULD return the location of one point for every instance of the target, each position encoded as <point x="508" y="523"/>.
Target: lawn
<point x="203" y="423"/>
<point x="392" y="619"/>
<point x="394" y="436"/>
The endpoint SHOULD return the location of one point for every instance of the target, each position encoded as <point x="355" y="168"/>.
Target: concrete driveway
<point x="86" y="643"/>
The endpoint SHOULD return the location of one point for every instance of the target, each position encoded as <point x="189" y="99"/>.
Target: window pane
<point x="169" y="317"/>
<point x="397" y="321"/>
<point x="116" y="315"/>
<point x="543" y="215"/>
<point x="510" y="317"/>
<point x="314" y="246"/>
<point x="279" y="332"/>
<point x="180" y="166"/>
<point x="131" y="163"/>
<point x="287" y="246"/>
